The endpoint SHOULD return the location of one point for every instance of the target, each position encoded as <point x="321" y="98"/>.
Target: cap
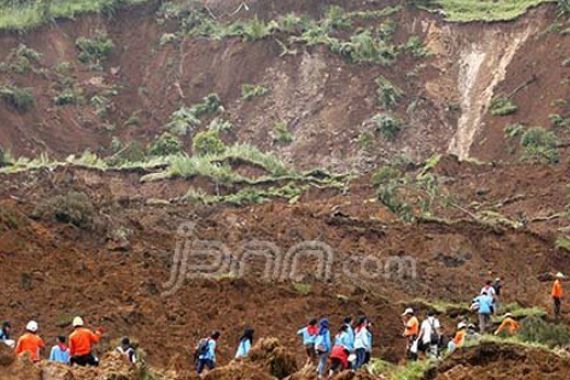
<point x="77" y="322"/>
<point x="408" y="311"/>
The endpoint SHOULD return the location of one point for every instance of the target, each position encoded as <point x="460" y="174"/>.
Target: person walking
<point x="245" y="343"/>
<point x="323" y="346"/>
<point x="557" y="293"/>
<point x="309" y="335"/>
<point x="5" y="334"/>
<point x="127" y="350"/>
<point x="429" y="336"/>
<point x="411" y="330"/>
<point x="350" y="331"/>
<point x="485" y="310"/>
<point x="60" y="352"/>
<point x="362" y="341"/>
<point x="81" y="342"/>
<point x="508" y="326"/>
<point x="206" y="353"/>
<point x="30" y="343"/>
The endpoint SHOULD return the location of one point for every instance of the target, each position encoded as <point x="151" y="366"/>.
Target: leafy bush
<point x="102" y="105"/>
<point x="281" y="133"/>
<point x="21" y="99"/>
<point x="336" y="17"/>
<point x="210" y="104"/>
<point x="165" y="145"/>
<point x="207" y="142"/>
<point x="384" y="175"/>
<point x="291" y="23"/>
<point x="68" y="96"/>
<point x="564" y="7"/>
<point x="388" y="93"/>
<point x="94" y="51"/>
<point x="183" y="121"/>
<point x="540" y="144"/>
<point x="502" y="107"/>
<point x="558" y="121"/>
<point x="250" y="91"/>
<point x="388" y="126"/>
<point x="256" y="29"/>
<point x="514" y="130"/>
<point x="132" y="152"/>
<point x="74" y="207"/>
<point x="537" y="330"/>
<point x="21" y="59"/>
<point x="365" y="48"/>
<point x="416" y="47"/>
<point x="220" y="125"/>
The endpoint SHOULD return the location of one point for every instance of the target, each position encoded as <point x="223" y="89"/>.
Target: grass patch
<point x="536" y="330"/>
<point x="281" y="133"/>
<point x="559" y="121"/>
<point x="185" y="120"/>
<point x="74" y="208"/>
<point x="387" y="125"/>
<point x="415" y="370"/>
<point x="94" y="51"/>
<point x="520" y="312"/>
<point x="208" y="143"/>
<point x="502" y="107"/>
<point x="19" y="15"/>
<point x="165" y="145"/>
<point x="21" y="59"/>
<point x="302" y="288"/>
<point x="388" y="93"/>
<point x="540" y="145"/>
<point x="563" y="242"/>
<point x="250" y="91"/>
<point x="480" y="10"/>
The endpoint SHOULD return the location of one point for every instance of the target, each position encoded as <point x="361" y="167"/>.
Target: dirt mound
<point x="503" y="362"/>
<point x="238" y="371"/>
<point x="269" y="354"/>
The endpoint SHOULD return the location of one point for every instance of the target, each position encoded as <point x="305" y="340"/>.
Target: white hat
<point x="559" y="275"/>
<point x="32" y="326"/>
<point x="77" y="322"/>
<point x="508" y="315"/>
<point x="408" y="311"/>
<point x="461" y="325"/>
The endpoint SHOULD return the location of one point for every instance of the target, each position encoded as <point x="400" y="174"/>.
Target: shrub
<point x="564" y="7"/>
<point x="256" y="29"/>
<point x="281" y="133"/>
<point x="74" y="207"/>
<point x="165" y="145"/>
<point x="336" y="17"/>
<point x="558" y="121"/>
<point x="68" y="96"/>
<point x="388" y="126"/>
<point x="537" y="330"/>
<point x="102" y="105"/>
<point x="388" y="94"/>
<point x="210" y="104"/>
<point x="21" y="99"/>
<point x="416" y="47"/>
<point x="250" y="91"/>
<point x="22" y="57"/>
<point x="365" y="48"/>
<point x="220" y="125"/>
<point x="94" y="51"/>
<point x="514" y="130"/>
<point x="182" y="121"/>
<point x="207" y="142"/>
<point x="540" y="144"/>
<point x="384" y="175"/>
<point x="502" y="107"/>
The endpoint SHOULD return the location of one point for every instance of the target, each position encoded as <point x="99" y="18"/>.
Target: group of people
<point x="349" y="348"/>
<point x="79" y="351"/>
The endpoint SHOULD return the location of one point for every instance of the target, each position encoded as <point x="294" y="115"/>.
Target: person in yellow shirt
<point x="557" y="294"/>
<point x="411" y="330"/>
<point x="509" y="325"/>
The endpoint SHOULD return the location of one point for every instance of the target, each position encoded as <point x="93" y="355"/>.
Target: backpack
<point x="201" y="348"/>
<point x="434" y="337"/>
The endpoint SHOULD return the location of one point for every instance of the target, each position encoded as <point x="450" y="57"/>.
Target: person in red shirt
<point x="30" y="342"/>
<point x="81" y="343"/>
<point x="557" y="294"/>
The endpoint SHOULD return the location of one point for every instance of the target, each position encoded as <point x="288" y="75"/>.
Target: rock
<point x="269" y="354"/>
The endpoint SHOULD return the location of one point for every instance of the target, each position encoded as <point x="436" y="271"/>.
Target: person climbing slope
<point x="309" y="334"/>
<point x="323" y="346"/>
<point x="60" y="352"/>
<point x="127" y="350"/>
<point x="429" y="336"/>
<point x="5" y="332"/>
<point x="459" y="338"/>
<point x="340" y="352"/>
<point x="30" y="342"/>
<point x="350" y="331"/>
<point x="206" y="353"/>
<point x="411" y="330"/>
<point x="245" y="343"/>
<point x="81" y="342"/>
<point x="342" y="338"/>
<point x="508" y="326"/>
<point x="362" y="341"/>
<point x="557" y="293"/>
<point x="485" y="310"/>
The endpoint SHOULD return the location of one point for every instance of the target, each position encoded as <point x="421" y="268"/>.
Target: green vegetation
<point x="208" y="143"/>
<point x="302" y="288"/>
<point x="366" y="47"/>
<point x="480" y="10"/>
<point x="102" y="105"/>
<point x="21" y="60"/>
<point x="388" y="93"/>
<point x="281" y="133"/>
<point x="74" y="208"/>
<point x="256" y="29"/>
<point x="414" y="370"/>
<point x="25" y="14"/>
<point x="165" y="145"/>
<point x="94" y="51"/>
<point x="416" y="47"/>
<point x="67" y="96"/>
<point x="502" y="107"/>
<point x="22" y="99"/>
<point x="563" y="242"/>
<point x="185" y="119"/>
<point x="514" y="130"/>
<point x="387" y="125"/>
<point x="540" y="145"/>
<point x="559" y="121"/>
<point x="563" y="7"/>
<point x="250" y="91"/>
<point x="220" y="125"/>
<point x="537" y="330"/>
<point x="4" y="159"/>
<point x="520" y="312"/>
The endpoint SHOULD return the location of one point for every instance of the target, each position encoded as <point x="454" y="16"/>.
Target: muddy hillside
<point x="169" y="168"/>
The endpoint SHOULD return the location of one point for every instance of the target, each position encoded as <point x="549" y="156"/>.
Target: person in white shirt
<point x="429" y="336"/>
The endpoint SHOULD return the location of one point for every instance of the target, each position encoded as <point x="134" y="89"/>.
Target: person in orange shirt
<point x="411" y="330"/>
<point x="30" y="342"/>
<point x="81" y="343"/>
<point x="557" y="294"/>
<point x="459" y="337"/>
<point x="509" y="323"/>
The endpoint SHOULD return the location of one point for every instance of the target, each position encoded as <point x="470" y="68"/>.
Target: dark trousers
<point x="360" y="358"/>
<point x="203" y="363"/>
<point x="557" y="304"/>
<point x="85" y="360"/>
